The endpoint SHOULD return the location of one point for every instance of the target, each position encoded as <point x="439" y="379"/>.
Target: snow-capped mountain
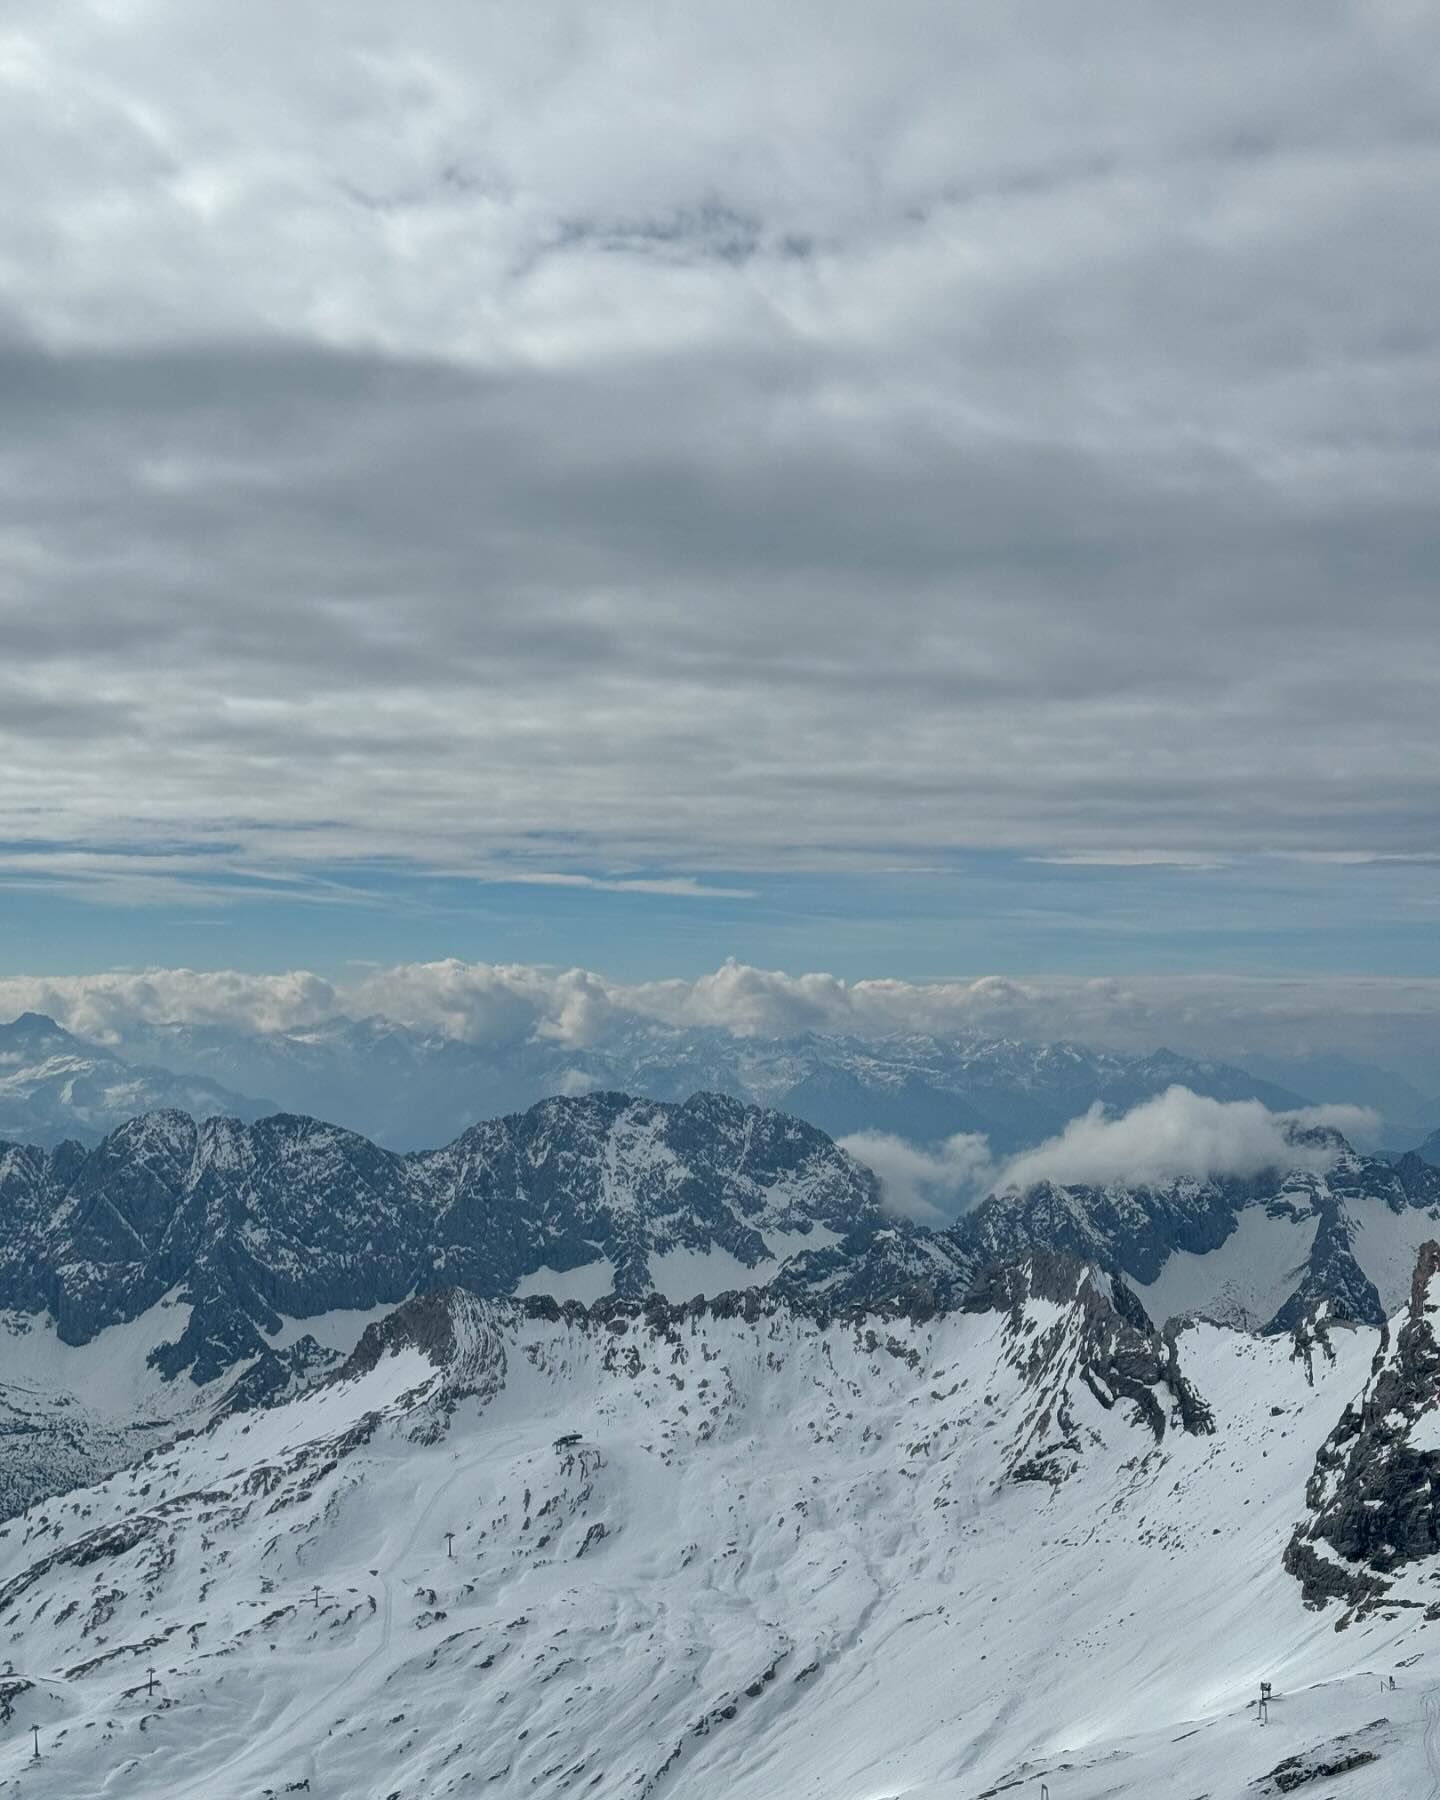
<point x="1257" y="1253"/>
<point x="55" y="1087"/>
<point x="513" y="1548"/>
<point x="412" y="1090"/>
<point x="243" y="1259"/>
<point x="288" y="1218"/>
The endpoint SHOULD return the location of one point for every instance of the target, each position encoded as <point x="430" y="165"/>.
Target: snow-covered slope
<point x="722" y="1552"/>
<point x="71" y="1413"/>
<point x="55" y="1087"/>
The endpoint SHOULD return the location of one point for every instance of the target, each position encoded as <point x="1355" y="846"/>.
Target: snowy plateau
<point x="948" y="1515"/>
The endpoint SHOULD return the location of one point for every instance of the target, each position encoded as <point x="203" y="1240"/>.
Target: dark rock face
<point x="1332" y="1279"/>
<point x="1129" y="1230"/>
<point x="292" y="1217"/>
<point x="1375" y="1490"/>
<point x="897" y="1268"/>
<point x="428" y="1323"/>
<point x="1338" y="1757"/>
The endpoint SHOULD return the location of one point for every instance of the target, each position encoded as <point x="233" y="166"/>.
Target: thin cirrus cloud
<point x="992" y="432"/>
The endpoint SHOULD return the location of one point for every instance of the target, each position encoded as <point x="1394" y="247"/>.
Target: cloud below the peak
<point x="1178" y="1134"/>
<point x="1175" y="1135"/>
<point x="928" y="1185"/>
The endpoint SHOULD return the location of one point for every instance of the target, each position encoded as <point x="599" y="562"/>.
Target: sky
<point x="913" y="492"/>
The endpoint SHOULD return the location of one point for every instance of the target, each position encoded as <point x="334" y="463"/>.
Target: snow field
<point x="739" y="1560"/>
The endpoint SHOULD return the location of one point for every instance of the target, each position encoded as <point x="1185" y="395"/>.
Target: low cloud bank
<point x="1175" y="1135"/>
<point x="499" y="1004"/>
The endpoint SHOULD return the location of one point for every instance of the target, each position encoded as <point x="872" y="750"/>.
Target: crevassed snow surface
<point x="728" y="1560"/>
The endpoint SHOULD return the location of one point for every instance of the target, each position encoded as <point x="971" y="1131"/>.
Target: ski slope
<point x="712" y="1557"/>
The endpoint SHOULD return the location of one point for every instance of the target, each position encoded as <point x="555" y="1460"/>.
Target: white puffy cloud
<point x="497" y="1003"/>
<point x="104" y="1006"/>
<point x="1180" y="1133"/>
<point x="575" y="1082"/>
<point x="1177" y="1134"/>
<point x="1358" y="1123"/>
<point x="482" y="1003"/>
<point x="928" y="1185"/>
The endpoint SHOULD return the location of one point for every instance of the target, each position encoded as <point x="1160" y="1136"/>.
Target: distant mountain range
<point x="1340" y="1080"/>
<point x="411" y="1090"/>
<point x="251" y="1225"/>
<point x="54" y="1086"/>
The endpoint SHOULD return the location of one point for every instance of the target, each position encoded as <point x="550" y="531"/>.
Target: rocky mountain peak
<point x="1069" y="1324"/>
<point x="460" y="1337"/>
<point x="35" y="1024"/>
<point x="290" y="1217"/>
<point x="1374" y="1496"/>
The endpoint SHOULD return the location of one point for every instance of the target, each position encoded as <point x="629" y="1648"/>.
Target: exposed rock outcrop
<point x="1097" y="1336"/>
<point x="1374" y="1494"/>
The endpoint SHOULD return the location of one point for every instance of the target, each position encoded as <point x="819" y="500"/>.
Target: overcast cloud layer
<point x="647" y="442"/>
